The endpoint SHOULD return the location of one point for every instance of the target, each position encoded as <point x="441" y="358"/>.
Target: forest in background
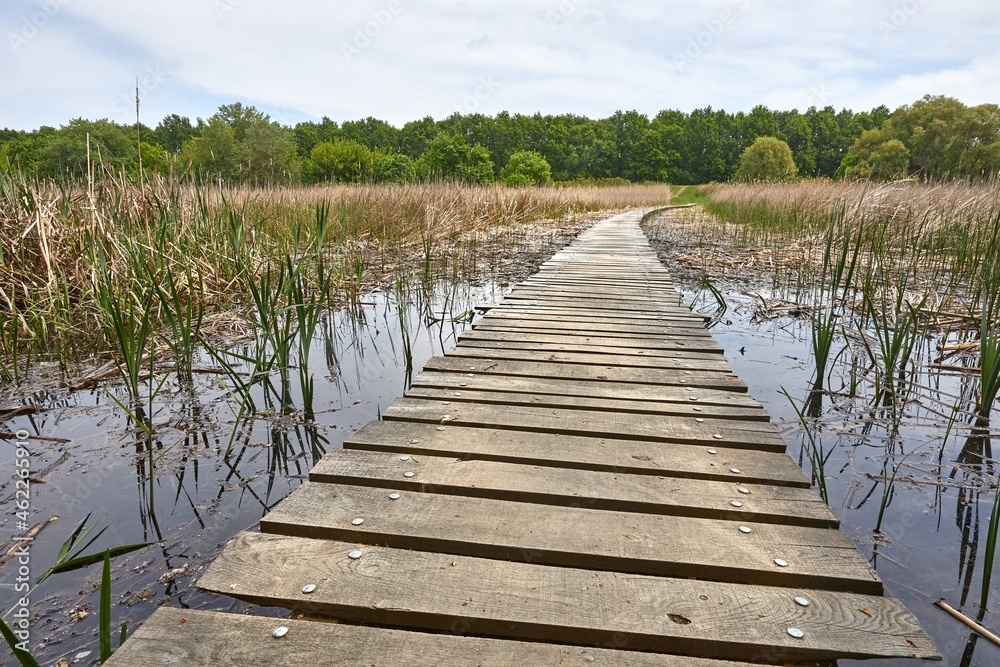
<point x="933" y="138"/>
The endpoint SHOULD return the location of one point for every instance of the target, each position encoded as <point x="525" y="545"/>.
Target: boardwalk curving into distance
<point x="581" y="481"/>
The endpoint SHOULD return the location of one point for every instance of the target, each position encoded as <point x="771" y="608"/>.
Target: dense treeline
<point x="934" y="137"/>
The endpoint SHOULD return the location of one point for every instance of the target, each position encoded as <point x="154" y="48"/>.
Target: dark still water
<point x="213" y="475"/>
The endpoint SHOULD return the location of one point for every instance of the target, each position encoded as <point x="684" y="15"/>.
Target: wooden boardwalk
<point x="581" y="481"/>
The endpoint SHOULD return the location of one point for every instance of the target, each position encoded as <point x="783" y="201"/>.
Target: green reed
<point x="836" y="278"/>
<point x="990" y="550"/>
<point x="127" y="319"/>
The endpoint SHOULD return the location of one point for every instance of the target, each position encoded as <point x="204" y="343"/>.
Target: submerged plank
<point x="431" y="591"/>
<point x="566" y="451"/>
<point x="655" y="428"/>
<point x="675" y="546"/>
<point x="193" y="638"/>
<point x="617" y="491"/>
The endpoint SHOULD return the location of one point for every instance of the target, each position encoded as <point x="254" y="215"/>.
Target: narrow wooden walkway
<point x="582" y="480"/>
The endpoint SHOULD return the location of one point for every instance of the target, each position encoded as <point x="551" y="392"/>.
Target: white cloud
<point x="402" y="59"/>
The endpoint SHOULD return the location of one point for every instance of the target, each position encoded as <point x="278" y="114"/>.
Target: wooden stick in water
<point x="976" y="627"/>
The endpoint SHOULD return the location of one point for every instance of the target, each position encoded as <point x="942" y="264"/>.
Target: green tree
<point x="527" y="168"/>
<point x="876" y="155"/>
<point x="392" y="168"/>
<point x="307" y="135"/>
<point x="947" y="138"/>
<point x="26" y="151"/>
<point x="416" y="135"/>
<point x="766" y="159"/>
<point x="450" y="157"/>
<point x="241" y="144"/>
<point x="340" y="161"/>
<point x="111" y="146"/>
<point x="372" y="133"/>
<point x="172" y="132"/>
<point x="214" y="153"/>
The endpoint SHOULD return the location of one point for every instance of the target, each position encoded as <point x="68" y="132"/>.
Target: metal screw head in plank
<point x="440" y="428"/>
<point x="745" y="529"/>
<point x="735" y="471"/>
<point x="357" y="522"/>
<point x="472" y="368"/>
<point x="470" y="375"/>
<point x="735" y="503"/>
<point x="393" y="496"/>
<point x="457" y="393"/>
<point x="463" y="384"/>
<point x="404" y="457"/>
<point x="279" y="632"/>
<point x="780" y="563"/>
<point x="445" y="402"/>
<point x="308" y="588"/>
<point x="697" y="409"/>
<point x="699" y="420"/>
<point x="354" y="555"/>
<point x="687" y="388"/>
<point x="717" y="436"/>
<point x="407" y="474"/>
<point x="795" y="632"/>
<point x="414" y="441"/>
<point x="802" y="602"/>
<point x="742" y="489"/>
<point x="687" y="372"/>
<point x="683" y="381"/>
<point x="692" y="398"/>
<point x="713" y="451"/>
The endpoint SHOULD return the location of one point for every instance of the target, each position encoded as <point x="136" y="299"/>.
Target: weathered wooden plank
<point x="193" y="638"/>
<point x="577" y="488"/>
<point x="605" y="292"/>
<point x="576" y="452"/>
<point x="700" y="342"/>
<point x="652" y="288"/>
<point x="608" y="329"/>
<point x="528" y="601"/>
<point x="664" y="545"/>
<point x="680" y="359"/>
<point x="593" y="324"/>
<point x="485" y="336"/>
<point x="566" y="421"/>
<point x="595" y="298"/>
<point x="678" y="408"/>
<point x="589" y="348"/>
<point x="711" y="402"/>
<point x="620" y="306"/>
<point x="525" y="309"/>
<point x="697" y="381"/>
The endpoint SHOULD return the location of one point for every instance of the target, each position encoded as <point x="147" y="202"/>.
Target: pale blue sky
<point x="400" y="60"/>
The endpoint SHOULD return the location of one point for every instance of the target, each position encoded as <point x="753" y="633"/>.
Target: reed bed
<point x="82" y="262"/>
